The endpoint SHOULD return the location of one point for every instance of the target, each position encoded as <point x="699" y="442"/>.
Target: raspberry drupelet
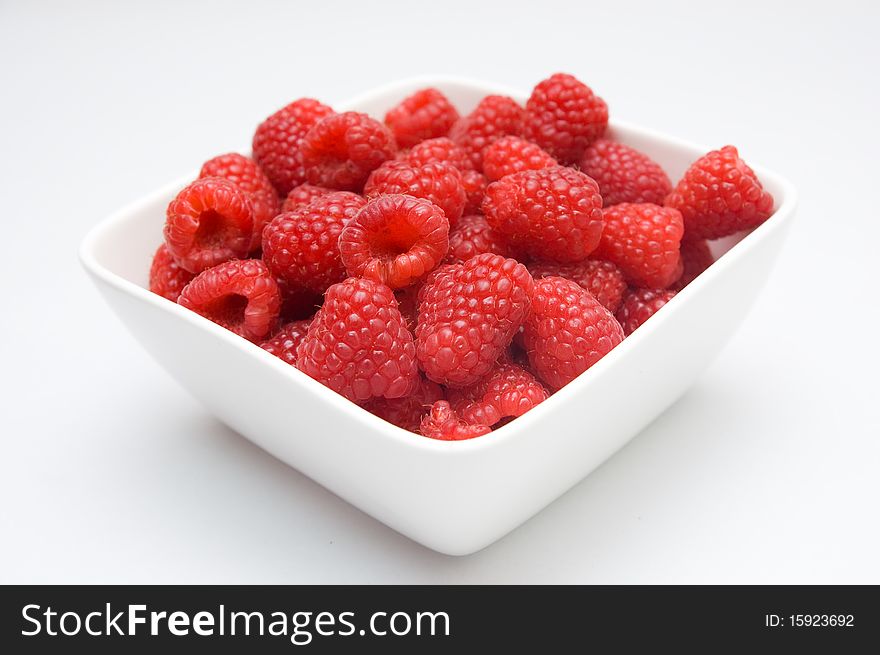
<point x="443" y="423"/>
<point x="641" y="304"/>
<point x="167" y="278"/>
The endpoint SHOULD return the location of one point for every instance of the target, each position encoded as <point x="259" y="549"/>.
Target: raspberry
<point x="602" y="279"/>
<point x="407" y="412"/>
<point x="696" y="258"/>
<point x="302" y="196"/>
<point x="475" y="189"/>
<point x="278" y="141"/>
<point x="442" y="423"/>
<point x="302" y="246"/>
<point x="567" y="331"/>
<point x="563" y="116"/>
<point x="553" y="213"/>
<point x="209" y="222"/>
<point x="395" y="239"/>
<point x="342" y="150"/>
<point x="439" y="183"/>
<point x="251" y="179"/>
<point x="494" y="117"/>
<point x="358" y="344"/>
<point x="468" y="314"/>
<point x="443" y="150"/>
<point x="511" y="154"/>
<point x="472" y="236"/>
<point x="643" y="240"/>
<point x="639" y="305"/>
<point x="426" y="114"/>
<point x="507" y="391"/>
<point x="283" y="344"/>
<point x="167" y="278"/>
<point x="720" y="195"/>
<point x="624" y="174"/>
<point x="241" y="295"/>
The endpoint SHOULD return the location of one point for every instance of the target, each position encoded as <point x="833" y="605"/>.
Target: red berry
<point x="407" y="412"/>
<point x="643" y="240"/>
<point x="567" y="331"/>
<point x="475" y="188"/>
<point x="426" y="114"/>
<point x="602" y="279"/>
<point x="624" y="174"/>
<point x="511" y="154"/>
<point x="639" y="305"/>
<point x="209" y="222"/>
<point x="696" y="257"/>
<point x="167" y="278"/>
<point x="553" y="213"/>
<point x="251" y="179"/>
<point x="241" y="295"/>
<point x="473" y="236"/>
<point x="302" y="246"/>
<point x="278" y="139"/>
<point x="342" y="150"/>
<point x="494" y="117"/>
<point x="507" y="391"/>
<point x="564" y="116"/>
<point x="283" y="344"/>
<point x="395" y="239"/>
<point x="439" y="183"/>
<point x="302" y="196"/>
<point x="442" y="423"/>
<point x="358" y="344"/>
<point x="720" y="195"/>
<point x="468" y="314"/>
<point x="441" y="150"/>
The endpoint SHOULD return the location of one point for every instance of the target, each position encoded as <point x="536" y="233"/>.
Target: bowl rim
<point x="522" y="427"/>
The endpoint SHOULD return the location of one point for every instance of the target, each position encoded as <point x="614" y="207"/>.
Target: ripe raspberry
<point x="720" y="195"/>
<point x="302" y="246"/>
<point x="494" y="117"/>
<point x="511" y="154"/>
<point x="567" y="331"/>
<point x="283" y="344"/>
<point x="241" y="295"/>
<point x="475" y="188"/>
<point x="439" y="183"/>
<point x="472" y="236"/>
<point x="507" y="391"/>
<point x="395" y="239"/>
<point x="602" y="279"/>
<point x="443" y="150"/>
<point x="251" y="179"/>
<point x="342" y="150"/>
<point x="643" y="240"/>
<point x="639" y="305"/>
<point x="468" y="314"/>
<point x="553" y="213"/>
<point x="442" y="423"/>
<point x="358" y="344"/>
<point x="696" y="258"/>
<point x="278" y="139"/>
<point x="426" y="114"/>
<point x="302" y="196"/>
<point x="563" y="116"/>
<point x="167" y="279"/>
<point x="407" y="412"/>
<point x="209" y="222"/>
<point x="624" y="174"/>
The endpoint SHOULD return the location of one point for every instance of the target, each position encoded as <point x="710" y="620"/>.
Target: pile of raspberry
<point x="445" y="272"/>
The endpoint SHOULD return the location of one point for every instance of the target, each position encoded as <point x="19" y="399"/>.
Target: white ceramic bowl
<point x="455" y="497"/>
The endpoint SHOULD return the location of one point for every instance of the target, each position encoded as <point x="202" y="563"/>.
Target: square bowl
<point x="453" y="497"/>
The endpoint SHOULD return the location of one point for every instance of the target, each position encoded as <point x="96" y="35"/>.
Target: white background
<point x="766" y="471"/>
